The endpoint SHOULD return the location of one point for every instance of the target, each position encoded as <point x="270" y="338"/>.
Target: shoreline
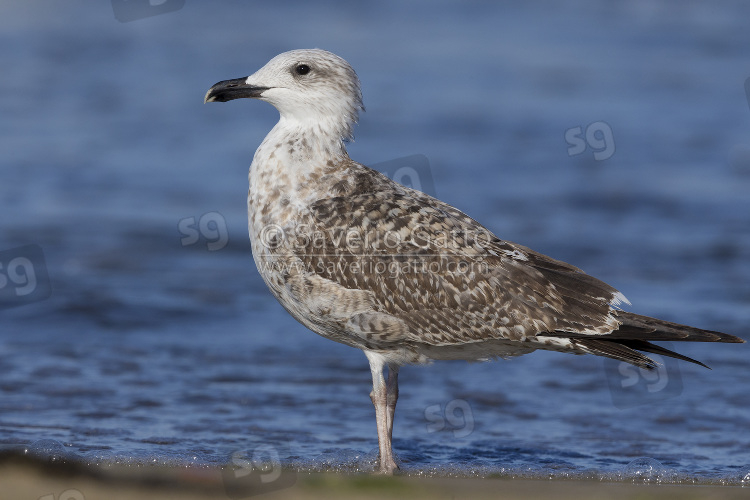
<point x="28" y="477"/>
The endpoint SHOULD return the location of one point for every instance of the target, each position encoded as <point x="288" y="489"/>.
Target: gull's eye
<point x="302" y="69"/>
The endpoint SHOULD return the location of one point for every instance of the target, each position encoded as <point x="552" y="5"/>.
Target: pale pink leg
<point x="392" y="397"/>
<point x="383" y="411"/>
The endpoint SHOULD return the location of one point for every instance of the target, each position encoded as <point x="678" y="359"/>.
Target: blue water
<point x="154" y="339"/>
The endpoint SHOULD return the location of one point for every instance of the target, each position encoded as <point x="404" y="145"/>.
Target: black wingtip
<point x="645" y="346"/>
<point x="636" y="326"/>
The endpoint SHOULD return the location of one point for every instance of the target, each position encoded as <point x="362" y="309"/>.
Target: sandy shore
<point x="24" y="478"/>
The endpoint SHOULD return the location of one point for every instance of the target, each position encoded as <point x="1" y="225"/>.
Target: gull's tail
<point x="634" y="335"/>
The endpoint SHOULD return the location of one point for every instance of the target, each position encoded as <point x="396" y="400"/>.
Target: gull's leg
<point x="392" y="397"/>
<point x="379" y="397"/>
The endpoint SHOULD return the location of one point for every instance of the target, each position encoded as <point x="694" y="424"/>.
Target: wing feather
<point x="381" y="266"/>
<point x="447" y="277"/>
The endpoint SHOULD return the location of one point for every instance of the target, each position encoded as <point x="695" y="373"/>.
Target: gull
<point x="362" y="260"/>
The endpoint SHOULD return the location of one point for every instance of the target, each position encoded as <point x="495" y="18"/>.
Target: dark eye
<point x="302" y="69"/>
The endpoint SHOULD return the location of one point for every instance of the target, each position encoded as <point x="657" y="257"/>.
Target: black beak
<point x="233" y="89"/>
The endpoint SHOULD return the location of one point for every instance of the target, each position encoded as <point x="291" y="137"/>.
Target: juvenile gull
<point x="365" y="261"/>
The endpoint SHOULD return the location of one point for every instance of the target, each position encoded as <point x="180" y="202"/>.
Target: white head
<point x="310" y="88"/>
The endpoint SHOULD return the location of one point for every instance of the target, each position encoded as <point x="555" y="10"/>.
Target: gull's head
<point x="310" y="88"/>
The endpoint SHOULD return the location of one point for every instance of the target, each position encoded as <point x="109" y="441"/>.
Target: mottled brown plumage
<point x="364" y="261"/>
<point x="432" y="275"/>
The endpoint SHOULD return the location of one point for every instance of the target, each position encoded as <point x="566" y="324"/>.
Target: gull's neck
<point x="300" y="145"/>
<point x="294" y="166"/>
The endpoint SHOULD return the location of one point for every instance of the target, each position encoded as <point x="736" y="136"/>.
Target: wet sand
<point x="24" y="477"/>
